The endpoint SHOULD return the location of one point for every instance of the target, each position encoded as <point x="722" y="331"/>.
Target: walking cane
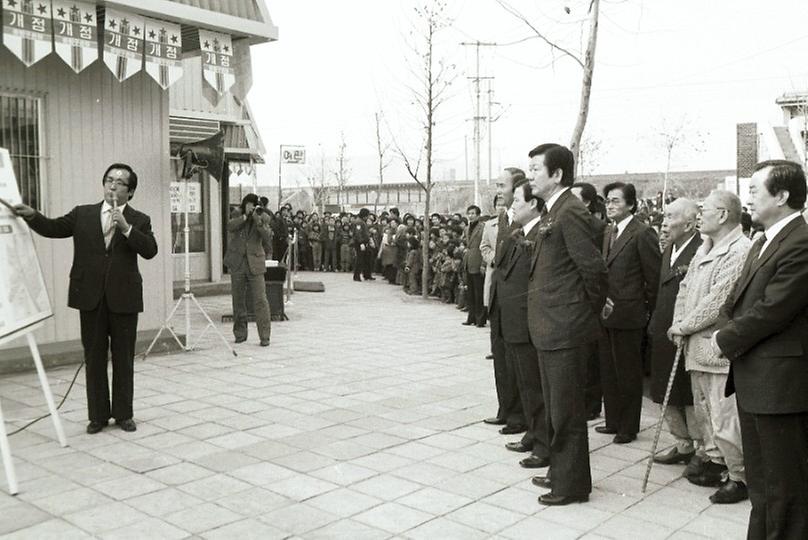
<point x="662" y="415"/>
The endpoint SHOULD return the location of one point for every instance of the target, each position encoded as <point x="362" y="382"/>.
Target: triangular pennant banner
<point x="163" y="52"/>
<point x="123" y="43"/>
<point x="75" y="33"/>
<point x="217" y="54"/>
<point x="27" y="29"/>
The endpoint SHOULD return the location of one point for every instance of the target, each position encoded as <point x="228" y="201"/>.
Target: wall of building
<point x="90" y="120"/>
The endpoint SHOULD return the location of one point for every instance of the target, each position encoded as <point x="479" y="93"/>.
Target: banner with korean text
<point x="163" y="52"/>
<point x="75" y="33"/>
<point x="123" y="43"/>
<point x="27" y="29"/>
<point x="217" y="55"/>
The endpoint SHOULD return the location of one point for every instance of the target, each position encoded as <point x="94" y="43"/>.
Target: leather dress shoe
<point x="695" y="467"/>
<point x="730" y="492"/>
<point x="95" y="427"/>
<point x="712" y="475"/>
<point x="264" y="343"/>
<point x="542" y="482"/>
<point x="467" y="323"/>
<point x="241" y="339"/>
<point x="513" y="430"/>
<point x="550" y="499"/>
<point x="489" y="356"/>
<point x="127" y="425"/>
<point x="534" y="462"/>
<point x="673" y="456"/>
<point x="518" y="446"/>
<point x="495" y="421"/>
<point x="370" y="279"/>
<point x="605" y="430"/>
<point x="622" y="438"/>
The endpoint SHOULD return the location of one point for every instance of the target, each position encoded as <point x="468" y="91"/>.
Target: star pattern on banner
<point x="136" y="31"/>
<point x="11" y="3"/>
<point x="42" y="9"/>
<point x="173" y="38"/>
<point x="226" y="49"/>
<point x="112" y="24"/>
<point x="206" y="45"/>
<point x="61" y="12"/>
<point x="88" y="17"/>
<point x="152" y="35"/>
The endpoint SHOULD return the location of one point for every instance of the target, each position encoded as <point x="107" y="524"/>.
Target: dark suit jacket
<point x="503" y="233"/>
<point x="250" y="240"/>
<point x="97" y="271"/>
<point x="765" y="335"/>
<point x="512" y="282"/>
<point x="473" y="259"/>
<point x="662" y="349"/>
<point x="633" y="264"/>
<point x="567" y="287"/>
<point x="361" y="233"/>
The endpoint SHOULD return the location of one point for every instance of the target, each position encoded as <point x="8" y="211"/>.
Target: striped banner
<point x="75" y="33"/>
<point x="123" y="43"/>
<point x="163" y="52"/>
<point x="27" y="29"/>
<point x="217" y="55"/>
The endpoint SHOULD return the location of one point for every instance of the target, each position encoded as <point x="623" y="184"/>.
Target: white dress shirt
<point x="530" y="224"/>
<point x="622" y="224"/>
<point x="552" y="200"/>
<point x="676" y="252"/>
<point x="106" y="211"/>
<point x="772" y="231"/>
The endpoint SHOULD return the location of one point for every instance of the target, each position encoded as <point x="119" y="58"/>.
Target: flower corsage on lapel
<point x="681" y="270"/>
<point x="546" y="227"/>
<point x="520" y="241"/>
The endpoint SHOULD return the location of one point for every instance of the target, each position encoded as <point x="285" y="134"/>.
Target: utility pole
<point x="477" y="138"/>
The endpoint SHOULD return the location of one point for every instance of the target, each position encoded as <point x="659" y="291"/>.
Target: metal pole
<point x="187" y="231"/>
<point x="477" y="130"/>
<point x="490" y="91"/>
<point x="5" y="454"/>
<point x="280" y="163"/>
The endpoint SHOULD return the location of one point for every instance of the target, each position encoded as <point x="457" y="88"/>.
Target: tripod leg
<point x="212" y="325"/>
<point x="5" y="453"/>
<point x="166" y="327"/>
<point x="43" y="381"/>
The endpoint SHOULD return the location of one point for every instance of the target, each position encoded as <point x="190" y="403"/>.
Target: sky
<point x="693" y="67"/>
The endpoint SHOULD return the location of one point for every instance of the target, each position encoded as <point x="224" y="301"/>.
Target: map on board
<point x="23" y="295"/>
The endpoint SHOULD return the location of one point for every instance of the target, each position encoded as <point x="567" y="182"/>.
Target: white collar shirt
<point x="676" y="252"/>
<point x="509" y="213"/>
<point x="622" y="224"/>
<point x="106" y="210"/>
<point x="775" y="229"/>
<point x="552" y="200"/>
<point x="530" y="224"/>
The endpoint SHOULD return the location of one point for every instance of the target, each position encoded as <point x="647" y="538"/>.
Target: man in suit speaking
<point x="106" y="287"/>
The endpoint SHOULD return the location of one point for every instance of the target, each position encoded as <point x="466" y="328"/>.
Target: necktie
<point x="613" y="236"/>
<point x="109" y="227"/>
<point x="761" y="242"/>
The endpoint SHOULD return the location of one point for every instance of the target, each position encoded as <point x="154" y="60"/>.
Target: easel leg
<point x="5" y="450"/>
<point x="43" y="381"/>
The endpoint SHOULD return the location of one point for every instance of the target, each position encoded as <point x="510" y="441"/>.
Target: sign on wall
<point x="75" y="33"/>
<point x="295" y="155"/>
<point x="177" y="190"/>
<point x="23" y="295"/>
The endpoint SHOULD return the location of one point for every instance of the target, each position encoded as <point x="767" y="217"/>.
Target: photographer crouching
<point x="248" y="245"/>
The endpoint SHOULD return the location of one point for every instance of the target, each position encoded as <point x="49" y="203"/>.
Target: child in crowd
<point x="413" y="267"/>
<point x="345" y="248"/>
<point x="329" y="241"/>
<point x="316" y="246"/>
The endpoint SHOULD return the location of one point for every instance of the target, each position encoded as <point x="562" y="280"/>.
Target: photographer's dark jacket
<point x="99" y="272"/>
<point x="247" y="246"/>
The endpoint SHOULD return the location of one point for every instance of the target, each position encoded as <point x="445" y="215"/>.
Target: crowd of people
<point x="590" y="294"/>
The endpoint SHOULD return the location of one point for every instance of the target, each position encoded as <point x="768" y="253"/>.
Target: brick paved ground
<point x="362" y="420"/>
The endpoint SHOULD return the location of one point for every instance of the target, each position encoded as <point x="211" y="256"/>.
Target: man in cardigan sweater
<point x="713" y="272"/>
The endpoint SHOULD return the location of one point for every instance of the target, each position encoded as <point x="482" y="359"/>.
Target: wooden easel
<point x="5" y="449"/>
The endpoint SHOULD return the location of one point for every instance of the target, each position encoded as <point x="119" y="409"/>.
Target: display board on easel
<point x="24" y="302"/>
<point x="23" y="296"/>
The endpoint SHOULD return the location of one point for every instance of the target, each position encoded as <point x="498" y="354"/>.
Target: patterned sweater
<point x="712" y="276"/>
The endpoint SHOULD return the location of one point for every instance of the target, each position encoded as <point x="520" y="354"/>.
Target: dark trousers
<point x="528" y="379"/>
<point x="330" y="257"/>
<point x="775" y="451"/>
<point x="103" y="332"/>
<point x="594" y="392"/>
<point x="621" y="371"/>
<point x="563" y="373"/>
<point x="362" y="264"/>
<point x="474" y="299"/>
<point x="243" y="284"/>
<point x="510" y="405"/>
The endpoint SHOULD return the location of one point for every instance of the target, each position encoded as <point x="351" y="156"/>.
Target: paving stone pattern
<point x="361" y="421"/>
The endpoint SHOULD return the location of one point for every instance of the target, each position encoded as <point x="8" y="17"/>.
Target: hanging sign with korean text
<point x="27" y="29"/>
<point x="75" y="33"/>
<point x="217" y="55"/>
<point x="163" y="52"/>
<point x="123" y="43"/>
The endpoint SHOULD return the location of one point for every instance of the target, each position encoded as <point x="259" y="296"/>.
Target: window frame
<point x="42" y="158"/>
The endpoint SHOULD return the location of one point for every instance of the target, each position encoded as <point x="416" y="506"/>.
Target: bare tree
<point x="342" y="172"/>
<point x="382" y="148"/>
<point x="587" y="64"/>
<point x="432" y="78"/>
<point x="589" y="155"/>
<point x="317" y="182"/>
<point x="676" y="136"/>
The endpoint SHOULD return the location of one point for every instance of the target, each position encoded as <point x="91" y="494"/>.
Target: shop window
<point x="19" y="134"/>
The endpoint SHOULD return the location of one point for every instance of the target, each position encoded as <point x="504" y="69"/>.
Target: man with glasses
<point x="106" y="287"/>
